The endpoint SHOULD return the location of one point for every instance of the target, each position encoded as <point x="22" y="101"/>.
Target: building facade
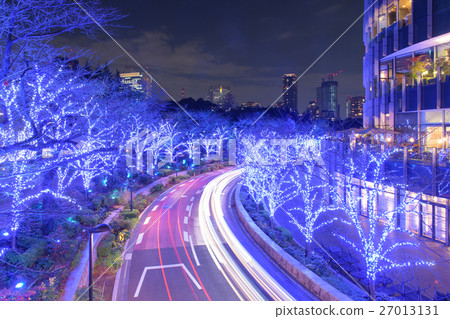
<point x="290" y="92"/>
<point x="406" y="68"/>
<point x="219" y="95"/>
<point x="133" y="80"/>
<point x="355" y="106"/>
<point x="327" y="98"/>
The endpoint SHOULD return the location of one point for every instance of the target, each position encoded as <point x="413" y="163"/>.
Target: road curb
<point x="316" y="285"/>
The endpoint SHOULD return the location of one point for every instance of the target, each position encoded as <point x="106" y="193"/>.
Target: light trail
<point x="211" y="207"/>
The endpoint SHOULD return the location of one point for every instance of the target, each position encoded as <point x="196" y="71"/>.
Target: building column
<point x="430" y="19"/>
<point x="434" y="163"/>
<point x="438" y="88"/>
<point x="392" y="106"/>
<point x="403" y="93"/>
<point x="383" y="88"/>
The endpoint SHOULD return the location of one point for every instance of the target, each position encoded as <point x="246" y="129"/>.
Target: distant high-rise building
<point x="329" y="97"/>
<point x="250" y="105"/>
<point x="355" y="106"/>
<point x="319" y="99"/>
<point x="219" y="95"/>
<point x="133" y="80"/>
<point x="312" y="112"/>
<point x="290" y="92"/>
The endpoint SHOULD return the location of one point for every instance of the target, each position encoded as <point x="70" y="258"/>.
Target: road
<point x="181" y="252"/>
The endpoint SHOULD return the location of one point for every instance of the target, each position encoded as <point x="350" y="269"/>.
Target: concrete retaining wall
<point x="316" y="285"/>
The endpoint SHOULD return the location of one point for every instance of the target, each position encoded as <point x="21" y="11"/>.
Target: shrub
<point x="285" y="233"/>
<point x="191" y="172"/>
<point x="156" y="188"/>
<point x="130" y="215"/>
<point x="36" y="251"/>
<point x="144" y="179"/>
<point x="98" y="201"/>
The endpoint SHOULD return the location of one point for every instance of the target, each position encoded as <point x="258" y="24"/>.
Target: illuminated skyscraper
<point x="219" y="95"/>
<point x="290" y="92"/>
<point x="134" y="80"/>
<point x="355" y="106"/>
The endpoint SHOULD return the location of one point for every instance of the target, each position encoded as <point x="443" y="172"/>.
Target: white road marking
<point x="186" y="219"/>
<point x="154" y="208"/>
<point x="181" y="185"/>
<point x="192" y="199"/>
<point x="190" y="210"/>
<point x="188" y="207"/>
<point x="163" y="198"/>
<point x="141" y="281"/>
<point x="128" y="256"/>
<point x="140" y="238"/>
<point x="185" y="236"/>
<point x="173" y="190"/>
<point x="147" y="220"/>
<point x="193" y="252"/>
<point x="183" y="195"/>
<point x="198" y="192"/>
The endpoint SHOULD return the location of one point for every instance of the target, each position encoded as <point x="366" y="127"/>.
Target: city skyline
<point x="229" y="50"/>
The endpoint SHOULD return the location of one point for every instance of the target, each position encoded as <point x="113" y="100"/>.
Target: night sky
<point x="247" y="45"/>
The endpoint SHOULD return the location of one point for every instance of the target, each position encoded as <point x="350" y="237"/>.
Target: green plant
<point x="157" y="188"/>
<point x="36" y="251"/>
<point x="130" y="214"/>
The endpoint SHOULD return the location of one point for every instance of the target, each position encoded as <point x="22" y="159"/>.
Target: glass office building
<point x="407" y="68"/>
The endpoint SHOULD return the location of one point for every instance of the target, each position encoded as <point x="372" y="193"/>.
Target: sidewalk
<point x="425" y="278"/>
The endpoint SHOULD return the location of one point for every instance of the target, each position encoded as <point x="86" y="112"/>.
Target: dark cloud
<point x="247" y="45"/>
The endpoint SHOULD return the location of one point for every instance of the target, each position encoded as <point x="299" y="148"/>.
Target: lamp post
<point x="97" y="229"/>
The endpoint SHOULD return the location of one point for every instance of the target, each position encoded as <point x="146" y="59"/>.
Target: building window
<point x="404" y="13"/>
<point x="392" y="15"/>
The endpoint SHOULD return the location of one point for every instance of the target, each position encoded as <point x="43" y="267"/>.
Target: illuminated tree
<point x="371" y="237"/>
<point x="310" y="190"/>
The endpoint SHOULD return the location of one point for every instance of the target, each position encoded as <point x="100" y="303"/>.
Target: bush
<point x="98" y="201"/>
<point x="144" y="179"/>
<point x="285" y="233"/>
<point x="191" y="172"/>
<point x="36" y="251"/>
<point x="130" y="215"/>
<point x="157" y="188"/>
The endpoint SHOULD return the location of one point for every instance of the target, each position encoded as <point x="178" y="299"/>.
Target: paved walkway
<point x="425" y="278"/>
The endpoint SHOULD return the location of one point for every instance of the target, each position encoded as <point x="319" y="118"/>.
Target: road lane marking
<point x="192" y="198"/>
<point x="181" y="185"/>
<point x="185" y="236"/>
<point x="193" y="252"/>
<point x="173" y="190"/>
<point x="190" y="210"/>
<point x="188" y="207"/>
<point x="140" y="238"/>
<point x="186" y="219"/>
<point x="144" y="272"/>
<point x="154" y="208"/>
<point x="198" y="192"/>
<point x="128" y="256"/>
<point x="163" y="198"/>
<point x="147" y="220"/>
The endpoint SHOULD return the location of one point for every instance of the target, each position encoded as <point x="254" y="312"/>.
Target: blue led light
<point x="5" y="234"/>
<point x="19" y="285"/>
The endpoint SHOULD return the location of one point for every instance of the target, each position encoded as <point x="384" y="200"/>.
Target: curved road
<point x="181" y="252"/>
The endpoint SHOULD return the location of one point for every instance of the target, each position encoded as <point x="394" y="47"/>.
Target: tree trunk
<point x="308" y="249"/>
<point x="47" y="199"/>
<point x="14" y="240"/>
<point x="372" y="290"/>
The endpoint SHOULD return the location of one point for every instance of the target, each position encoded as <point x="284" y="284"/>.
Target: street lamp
<point x="97" y="229"/>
